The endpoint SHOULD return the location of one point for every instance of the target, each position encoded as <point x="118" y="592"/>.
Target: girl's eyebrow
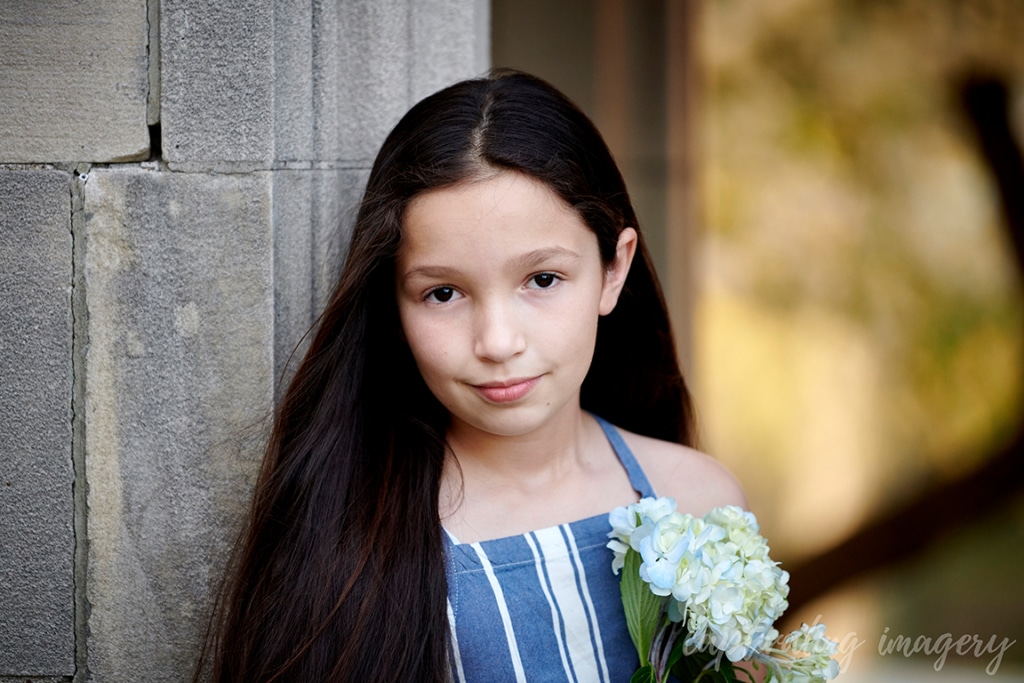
<point x="530" y="259"/>
<point x="432" y="272"/>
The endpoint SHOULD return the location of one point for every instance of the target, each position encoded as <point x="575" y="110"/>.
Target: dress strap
<point x="636" y="474"/>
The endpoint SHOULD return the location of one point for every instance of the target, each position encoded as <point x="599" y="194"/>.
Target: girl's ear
<point x="615" y="274"/>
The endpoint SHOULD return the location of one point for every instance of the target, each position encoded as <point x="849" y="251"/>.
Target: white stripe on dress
<point x="567" y="595"/>
<point x="556" y="619"/>
<point x="590" y="602"/>
<point x="456" y="655"/>
<point x="506" y="620"/>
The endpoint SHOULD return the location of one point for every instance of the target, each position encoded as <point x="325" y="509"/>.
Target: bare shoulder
<point x="697" y="481"/>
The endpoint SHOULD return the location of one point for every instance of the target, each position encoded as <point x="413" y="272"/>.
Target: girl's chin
<point x="510" y="420"/>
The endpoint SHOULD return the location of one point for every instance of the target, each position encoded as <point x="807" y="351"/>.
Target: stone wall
<point x="175" y="181"/>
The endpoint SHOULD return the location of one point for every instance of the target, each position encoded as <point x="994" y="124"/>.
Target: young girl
<point x="493" y="374"/>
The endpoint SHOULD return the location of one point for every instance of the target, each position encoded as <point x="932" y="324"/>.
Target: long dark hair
<point x="340" y="574"/>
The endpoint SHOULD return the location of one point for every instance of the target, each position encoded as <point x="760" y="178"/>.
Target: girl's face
<point x="500" y="285"/>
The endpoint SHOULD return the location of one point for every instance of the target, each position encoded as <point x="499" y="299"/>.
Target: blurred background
<point x="844" y="284"/>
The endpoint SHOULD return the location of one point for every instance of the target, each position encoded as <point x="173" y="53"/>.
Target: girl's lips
<point x="506" y="392"/>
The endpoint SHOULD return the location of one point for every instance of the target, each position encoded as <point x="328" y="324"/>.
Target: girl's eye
<point x="544" y="280"/>
<point x="441" y="295"/>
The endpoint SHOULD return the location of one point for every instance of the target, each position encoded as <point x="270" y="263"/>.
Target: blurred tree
<point x="860" y="330"/>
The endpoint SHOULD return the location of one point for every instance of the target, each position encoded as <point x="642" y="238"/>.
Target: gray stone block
<point x="250" y="95"/>
<point x="335" y="206"/>
<point x="374" y="92"/>
<point x="217" y="81"/>
<point x="37" y="633"/>
<point x="393" y="53"/>
<point x="73" y="81"/>
<point x="178" y="376"/>
<point x="326" y="72"/>
<point x="313" y="216"/>
<point x="305" y="82"/>
<point x="446" y="46"/>
<point x="292" y="201"/>
<point x="295" y="52"/>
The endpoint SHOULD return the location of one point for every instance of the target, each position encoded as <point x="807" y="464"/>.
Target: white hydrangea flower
<point x="812" y="640"/>
<point x="632" y="523"/>
<point x="730" y="590"/>
<point x="721" y="583"/>
<point x="619" y="557"/>
<point x="814" y="665"/>
<point x="662" y="551"/>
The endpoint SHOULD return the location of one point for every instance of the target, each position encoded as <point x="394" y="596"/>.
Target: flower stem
<point x="661" y="648"/>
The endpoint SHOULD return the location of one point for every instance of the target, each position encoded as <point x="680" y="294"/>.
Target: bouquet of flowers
<point x="701" y="594"/>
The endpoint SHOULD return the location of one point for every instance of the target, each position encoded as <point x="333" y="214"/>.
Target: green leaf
<point x="700" y="666"/>
<point x="644" y="674"/>
<point x="688" y="667"/>
<point x="642" y="607"/>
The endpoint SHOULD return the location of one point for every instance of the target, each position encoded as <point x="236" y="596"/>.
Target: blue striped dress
<point x="543" y="606"/>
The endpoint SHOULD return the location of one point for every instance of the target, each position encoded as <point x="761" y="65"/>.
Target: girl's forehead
<point x="503" y="213"/>
<point x="506" y="190"/>
<point x="504" y="198"/>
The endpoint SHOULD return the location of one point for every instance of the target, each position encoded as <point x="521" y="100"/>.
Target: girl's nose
<point x="498" y="334"/>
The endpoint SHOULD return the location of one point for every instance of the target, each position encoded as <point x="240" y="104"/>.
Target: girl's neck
<point x="498" y="486"/>
<point x="560" y="444"/>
